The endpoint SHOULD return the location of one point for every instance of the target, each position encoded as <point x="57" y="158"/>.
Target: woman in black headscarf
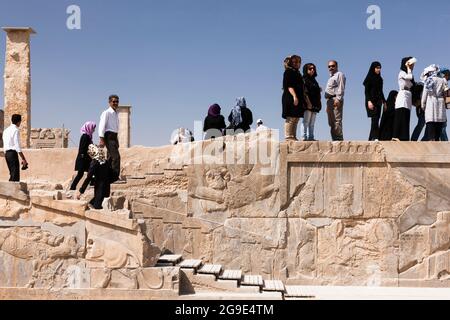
<point x="387" y="121"/>
<point x="374" y="98"/>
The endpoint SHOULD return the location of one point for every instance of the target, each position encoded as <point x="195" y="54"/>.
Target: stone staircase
<point x="198" y="277"/>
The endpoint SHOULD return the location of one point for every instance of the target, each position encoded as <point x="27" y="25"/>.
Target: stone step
<point x="274" y="285"/>
<point x="214" y="269"/>
<point x="298" y="292"/>
<point x="231" y="275"/>
<point x="191" y="264"/>
<point x="250" y="280"/>
<point x="170" y="258"/>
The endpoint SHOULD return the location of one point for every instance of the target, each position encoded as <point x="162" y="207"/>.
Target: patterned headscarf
<point x="97" y="153"/>
<point x="429" y="73"/>
<point x="236" y="117"/>
<point x="88" y="128"/>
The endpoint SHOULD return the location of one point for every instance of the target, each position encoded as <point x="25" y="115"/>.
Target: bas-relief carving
<point x="45" y="251"/>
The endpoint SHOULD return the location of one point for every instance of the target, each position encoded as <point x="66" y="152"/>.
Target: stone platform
<point x="308" y="214"/>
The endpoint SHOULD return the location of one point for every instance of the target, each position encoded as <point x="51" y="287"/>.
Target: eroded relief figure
<point x="41" y="247"/>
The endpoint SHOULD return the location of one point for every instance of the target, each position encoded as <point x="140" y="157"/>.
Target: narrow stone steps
<point x="298" y="292"/>
<point x="170" y="258"/>
<point x="214" y="269"/>
<point x="191" y="264"/>
<point x="250" y="280"/>
<point x="231" y="275"/>
<point x="274" y="285"/>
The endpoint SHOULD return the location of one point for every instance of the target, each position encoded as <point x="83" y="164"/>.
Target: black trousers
<point x="112" y="145"/>
<point x="102" y="187"/>
<point x="434" y="131"/>
<point x="77" y="179"/>
<point x="12" y="160"/>
<point x="401" y="124"/>
<point x="375" y="128"/>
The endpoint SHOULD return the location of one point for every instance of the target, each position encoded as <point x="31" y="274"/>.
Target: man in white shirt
<point x="335" y="100"/>
<point x="11" y="146"/>
<point x="108" y="130"/>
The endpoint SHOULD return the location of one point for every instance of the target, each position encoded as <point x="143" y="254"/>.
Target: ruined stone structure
<point x="17" y="92"/>
<point x="44" y="138"/>
<point x="312" y="213"/>
<point x="124" y="135"/>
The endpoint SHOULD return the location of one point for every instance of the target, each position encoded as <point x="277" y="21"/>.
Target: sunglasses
<point x="333" y="66"/>
<point x="115" y="101"/>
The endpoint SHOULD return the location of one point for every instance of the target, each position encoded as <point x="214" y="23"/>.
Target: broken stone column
<point x="124" y="113"/>
<point x="18" y="80"/>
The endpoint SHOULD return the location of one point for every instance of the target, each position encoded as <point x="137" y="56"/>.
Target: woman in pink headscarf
<point x="83" y="160"/>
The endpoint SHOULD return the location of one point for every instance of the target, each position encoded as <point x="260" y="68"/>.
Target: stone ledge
<point x="14" y="190"/>
<point x="71" y="207"/>
<point x="110" y="219"/>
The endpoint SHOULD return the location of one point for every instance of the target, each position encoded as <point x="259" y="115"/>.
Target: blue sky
<point x="171" y="59"/>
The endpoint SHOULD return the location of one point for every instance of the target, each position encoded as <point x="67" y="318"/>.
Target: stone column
<point x="124" y="126"/>
<point x="18" y="80"/>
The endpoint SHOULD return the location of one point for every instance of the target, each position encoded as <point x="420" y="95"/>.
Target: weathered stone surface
<point x="13" y="190"/>
<point x="44" y="138"/>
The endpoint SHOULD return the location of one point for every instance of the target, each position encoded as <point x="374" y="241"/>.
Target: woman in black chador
<point x="387" y="121"/>
<point x="374" y="98"/>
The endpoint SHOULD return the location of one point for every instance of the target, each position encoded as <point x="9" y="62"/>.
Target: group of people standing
<point x="302" y="99"/>
<point x="101" y="171"/>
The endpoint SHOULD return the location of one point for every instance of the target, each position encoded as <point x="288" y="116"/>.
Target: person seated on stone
<point x="240" y="118"/>
<point x="83" y="160"/>
<point x="102" y="170"/>
<point x="214" y="123"/>
<point x="181" y="135"/>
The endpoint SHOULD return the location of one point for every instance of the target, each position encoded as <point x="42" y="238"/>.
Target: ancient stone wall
<point x="343" y="213"/>
<point x="44" y="138"/>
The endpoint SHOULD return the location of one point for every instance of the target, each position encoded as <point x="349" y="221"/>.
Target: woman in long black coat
<point x="83" y="160"/>
<point x="293" y="100"/>
<point x="387" y="121"/>
<point x="374" y="98"/>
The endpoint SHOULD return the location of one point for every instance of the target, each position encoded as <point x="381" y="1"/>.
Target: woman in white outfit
<point x="403" y="103"/>
<point x="433" y="101"/>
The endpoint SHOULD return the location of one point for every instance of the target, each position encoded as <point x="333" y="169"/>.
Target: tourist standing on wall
<point x="375" y="100"/>
<point x="433" y="102"/>
<point x="241" y="117"/>
<point x="388" y="118"/>
<point x="108" y="131"/>
<point x="11" y="146"/>
<point x="214" y="123"/>
<point x="403" y="103"/>
<point x="334" y="94"/>
<point x="83" y="160"/>
<point x="417" y="92"/>
<point x="293" y="99"/>
<point x="313" y="92"/>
